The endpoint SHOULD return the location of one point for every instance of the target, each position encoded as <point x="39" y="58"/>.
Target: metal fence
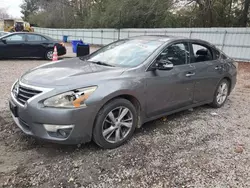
<point x="235" y="42"/>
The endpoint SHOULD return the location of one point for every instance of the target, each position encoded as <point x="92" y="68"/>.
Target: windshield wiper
<point x="101" y="63"/>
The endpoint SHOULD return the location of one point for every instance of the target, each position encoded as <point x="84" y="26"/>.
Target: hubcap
<point x="50" y="55"/>
<point x="117" y="124"/>
<point x="222" y="93"/>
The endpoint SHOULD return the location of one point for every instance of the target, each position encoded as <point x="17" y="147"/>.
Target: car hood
<point x="69" y="72"/>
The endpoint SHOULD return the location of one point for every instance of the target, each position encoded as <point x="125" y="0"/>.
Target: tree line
<point x="136" y="13"/>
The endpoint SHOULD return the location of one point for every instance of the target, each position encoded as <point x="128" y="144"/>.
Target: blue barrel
<point x="75" y="43"/>
<point x="65" y="38"/>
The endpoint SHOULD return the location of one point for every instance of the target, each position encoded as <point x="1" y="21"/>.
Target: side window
<point x="219" y="54"/>
<point x="33" y="38"/>
<point x="16" y="37"/>
<point x="201" y="53"/>
<point x="223" y="56"/>
<point x="176" y="53"/>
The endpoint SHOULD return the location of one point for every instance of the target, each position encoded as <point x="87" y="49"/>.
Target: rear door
<point x="36" y="45"/>
<point x="13" y="46"/>
<point x="208" y="71"/>
<point x="168" y="90"/>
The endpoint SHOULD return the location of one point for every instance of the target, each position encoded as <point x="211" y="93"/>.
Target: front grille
<point x="25" y="94"/>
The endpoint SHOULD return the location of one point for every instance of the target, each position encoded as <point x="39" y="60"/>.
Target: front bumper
<point x="31" y="119"/>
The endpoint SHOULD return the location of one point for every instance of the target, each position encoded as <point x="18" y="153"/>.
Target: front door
<point x="13" y="46"/>
<point x="168" y="90"/>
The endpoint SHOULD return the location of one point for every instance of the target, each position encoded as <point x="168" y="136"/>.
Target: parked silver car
<point x="106" y="95"/>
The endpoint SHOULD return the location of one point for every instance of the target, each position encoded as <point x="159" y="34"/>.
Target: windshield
<point x="125" y="53"/>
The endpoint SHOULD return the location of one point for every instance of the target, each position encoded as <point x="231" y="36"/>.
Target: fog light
<point x="62" y="133"/>
<point x="55" y="128"/>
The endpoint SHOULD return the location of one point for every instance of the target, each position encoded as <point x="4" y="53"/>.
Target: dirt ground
<point x="205" y="147"/>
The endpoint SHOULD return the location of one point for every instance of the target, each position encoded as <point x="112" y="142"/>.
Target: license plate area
<point x="13" y="109"/>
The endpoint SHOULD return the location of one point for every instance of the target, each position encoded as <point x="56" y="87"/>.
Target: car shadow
<point x="52" y="150"/>
<point x="164" y="122"/>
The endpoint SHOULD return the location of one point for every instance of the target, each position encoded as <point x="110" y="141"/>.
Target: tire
<point x="222" y="94"/>
<point x="49" y="54"/>
<point x="106" y="132"/>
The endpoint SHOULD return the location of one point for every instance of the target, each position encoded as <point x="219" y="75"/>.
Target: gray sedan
<point x="106" y="95"/>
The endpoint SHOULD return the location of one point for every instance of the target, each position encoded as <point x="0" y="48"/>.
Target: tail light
<point x="62" y="44"/>
<point x="235" y="64"/>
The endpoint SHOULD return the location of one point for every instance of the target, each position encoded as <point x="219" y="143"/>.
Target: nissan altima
<point x="106" y="95"/>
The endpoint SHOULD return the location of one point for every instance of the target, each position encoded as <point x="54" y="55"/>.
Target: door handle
<point x="217" y="67"/>
<point x="190" y="74"/>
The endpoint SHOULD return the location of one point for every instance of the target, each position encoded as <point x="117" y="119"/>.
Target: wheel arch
<point x="136" y="104"/>
<point x="131" y="98"/>
<point x="225" y="78"/>
<point x="229" y="81"/>
<point x="46" y="51"/>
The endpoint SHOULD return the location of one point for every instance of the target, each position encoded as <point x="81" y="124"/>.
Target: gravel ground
<point x="203" y="147"/>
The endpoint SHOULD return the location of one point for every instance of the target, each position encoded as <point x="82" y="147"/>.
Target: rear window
<point x="35" y="38"/>
<point x="219" y="54"/>
<point x="223" y="56"/>
<point x="201" y="53"/>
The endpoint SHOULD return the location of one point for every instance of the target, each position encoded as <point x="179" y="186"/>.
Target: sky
<point x="12" y="7"/>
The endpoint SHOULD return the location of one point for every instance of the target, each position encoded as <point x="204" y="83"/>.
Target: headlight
<point x="15" y="88"/>
<point x="71" y="99"/>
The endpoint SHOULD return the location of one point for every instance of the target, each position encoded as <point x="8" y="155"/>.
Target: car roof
<point x="157" y="37"/>
<point x="167" y="38"/>
<point x="28" y="33"/>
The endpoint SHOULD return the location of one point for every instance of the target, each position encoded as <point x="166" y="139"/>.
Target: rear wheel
<point x="49" y="54"/>
<point x="221" y="94"/>
<point x="115" y="123"/>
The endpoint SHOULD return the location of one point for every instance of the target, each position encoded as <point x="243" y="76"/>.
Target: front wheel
<point x="115" y="123"/>
<point x="49" y="54"/>
<point x="221" y="94"/>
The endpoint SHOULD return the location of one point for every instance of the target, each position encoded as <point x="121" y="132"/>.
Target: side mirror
<point x="163" y="65"/>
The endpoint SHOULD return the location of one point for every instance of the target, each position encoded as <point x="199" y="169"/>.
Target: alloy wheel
<point x="222" y="93"/>
<point x="117" y="124"/>
<point x="50" y="54"/>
